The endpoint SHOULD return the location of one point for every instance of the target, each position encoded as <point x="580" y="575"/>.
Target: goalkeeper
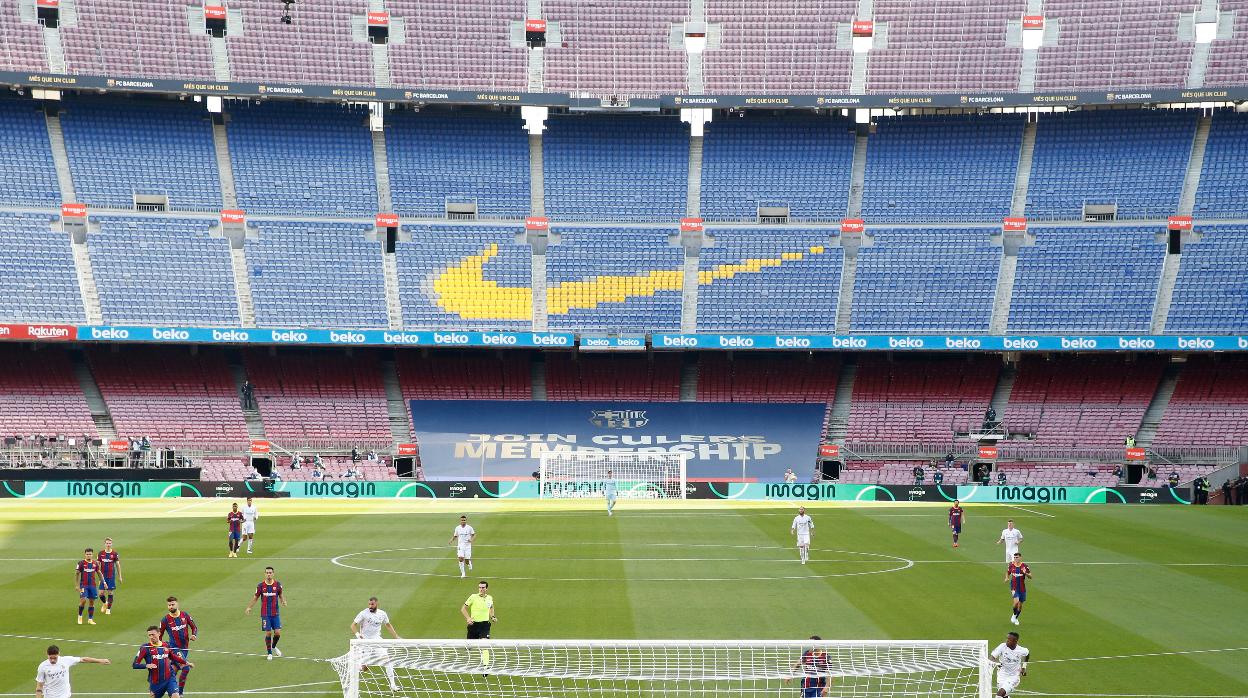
<point x="608" y="490"/>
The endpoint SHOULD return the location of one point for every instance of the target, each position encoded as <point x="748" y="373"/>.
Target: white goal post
<point x="571" y="475"/>
<point x="662" y="668"/>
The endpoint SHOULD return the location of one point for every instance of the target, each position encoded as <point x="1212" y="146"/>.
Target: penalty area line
<point x="1031" y="511"/>
<point x="1135" y="656"/>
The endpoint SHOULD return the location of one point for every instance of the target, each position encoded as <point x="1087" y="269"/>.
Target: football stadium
<point x="624" y="348"/>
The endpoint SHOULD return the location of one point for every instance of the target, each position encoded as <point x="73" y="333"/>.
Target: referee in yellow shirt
<point x="478" y="612"/>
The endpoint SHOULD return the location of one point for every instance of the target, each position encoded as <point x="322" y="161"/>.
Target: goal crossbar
<point x="580" y="474"/>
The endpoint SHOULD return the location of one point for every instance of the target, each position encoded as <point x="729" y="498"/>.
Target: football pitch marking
<point x="905" y="563"/>
<point x="131" y="645"/>
<point x="1031" y="511"/>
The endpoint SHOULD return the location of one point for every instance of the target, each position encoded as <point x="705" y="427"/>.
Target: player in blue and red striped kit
<point x="162" y="665"/>
<point x="815" y="669"/>
<point x="956" y="516"/>
<point x="1017" y="573"/>
<point x="181" y="629"/>
<point x="234" y="519"/>
<point x="269" y="593"/>
<point x="87" y="578"/>
<point x="110" y="570"/>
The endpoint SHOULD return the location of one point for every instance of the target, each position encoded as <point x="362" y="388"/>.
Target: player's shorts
<point x="180" y="651"/>
<point x="249" y="528"/>
<point x="236" y="535"/>
<point x="479" y="630"/>
<point x="110" y="583"/>
<point x="803" y="540"/>
<point x="163" y="688"/>
<point x="812" y="692"/>
<point x="91" y="593"/>
<point x="1008" y="682"/>
<point x="464" y="551"/>
<point x="957" y="528"/>
<point x="268" y="623"/>
<point x="1009" y="554"/>
<point x="1020" y="595"/>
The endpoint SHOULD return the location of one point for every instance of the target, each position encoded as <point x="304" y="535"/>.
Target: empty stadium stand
<point x="22" y="49"/>
<point x="614" y="279"/>
<point x="120" y="148"/>
<point x="1222" y="193"/>
<point x="909" y="399"/>
<point x="1133" y="160"/>
<point x="946" y="50"/>
<point x="137" y="38"/>
<point x="464" y="375"/>
<point x="796" y="160"/>
<point x="472" y="50"/>
<point x="926" y="280"/>
<point x="317" y="46"/>
<point x="942" y="168"/>
<point x="653" y="378"/>
<point x="769" y="280"/>
<point x="316" y="275"/>
<point x="39" y="394"/>
<point x="616" y="168"/>
<point x="1210" y="404"/>
<point x="37" y="280"/>
<point x="1087" y="280"/>
<point x="767" y="378"/>
<point x="616" y="47"/>
<point x="162" y="271"/>
<point x="1211" y="290"/>
<point x="310" y="160"/>
<point x="27" y="173"/>
<point x="778" y="47"/>
<point x="1082" y="401"/>
<point x="316" y="399"/>
<point x="457" y="277"/>
<point x="465" y="156"/>
<point x="174" y="396"/>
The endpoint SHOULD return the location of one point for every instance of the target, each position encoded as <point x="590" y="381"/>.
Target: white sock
<point x="470" y="564"/>
<point x="390" y="675"/>
<point x="461" y="569"/>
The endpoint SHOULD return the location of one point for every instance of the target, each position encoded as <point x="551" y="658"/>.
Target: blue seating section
<point x="435" y="249"/>
<point x="1136" y="159"/>
<point x="37" y="279"/>
<point x="1087" y="280"/>
<point x="325" y="275"/>
<point x="586" y="254"/>
<point x="118" y="148"/>
<point x="616" y="168"/>
<point x="1222" y="193"/>
<point x="926" y="280"/>
<point x="799" y="295"/>
<point x="458" y="156"/>
<point x="27" y="173"/>
<point x="162" y="271"/>
<point x="942" y="168"/>
<point x="1211" y="291"/>
<point x="309" y="159"/>
<point x="796" y="160"/>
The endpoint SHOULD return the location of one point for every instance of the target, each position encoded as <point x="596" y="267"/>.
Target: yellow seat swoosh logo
<point x="463" y="290"/>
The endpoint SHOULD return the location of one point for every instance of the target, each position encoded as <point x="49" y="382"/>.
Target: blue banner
<point x="487" y="439"/>
<point x="735" y="342"/>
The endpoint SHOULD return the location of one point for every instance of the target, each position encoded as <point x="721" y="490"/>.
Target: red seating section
<point x="170" y="395"/>
<point x="452" y="375"/>
<point x="919" y="399"/>
<point x="653" y="378"/>
<point x="1083" y="401"/>
<point x="1209" y="406"/>
<point x="40" y="395"/>
<point x="321" y="398"/>
<point x="778" y="378"/>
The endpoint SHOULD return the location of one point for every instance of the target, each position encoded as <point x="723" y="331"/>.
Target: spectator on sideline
<point x="789" y="475"/>
<point x="1001" y="477"/>
<point x="1226" y="491"/>
<point x="1241" y="490"/>
<point x="248" y="392"/>
<point x="949" y="459"/>
<point x="318" y="474"/>
<point x="1173" y="479"/>
<point x="253" y="474"/>
<point x="373" y="456"/>
<point x="355" y="455"/>
<point x="938" y="478"/>
<point x="1130" y="441"/>
<point x="918" y="474"/>
<point x="296" y="461"/>
<point x="990" y="418"/>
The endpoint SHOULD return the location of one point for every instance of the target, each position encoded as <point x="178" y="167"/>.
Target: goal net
<point x="636" y="475"/>
<point x="676" y="669"/>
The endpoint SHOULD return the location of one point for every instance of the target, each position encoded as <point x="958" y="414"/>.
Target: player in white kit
<point x="250" y="514"/>
<point x="1011" y="660"/>
<point x="803" y="526"/>
<point x="1011" y="537"/>
<point x="463" y="536"/>
<point x="367" y="626"/>
<point x="52" y="678"/>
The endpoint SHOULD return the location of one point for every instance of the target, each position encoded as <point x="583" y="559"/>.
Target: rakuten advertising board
<point x="465" y="438"/>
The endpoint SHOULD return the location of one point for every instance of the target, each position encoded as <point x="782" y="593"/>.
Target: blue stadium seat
<point x="630" y="255"/>
<point x="1211" y="290"/>
<point x="37" y="278"/>
<point x="27" y="173"/>
<point x="1222" y="193"/>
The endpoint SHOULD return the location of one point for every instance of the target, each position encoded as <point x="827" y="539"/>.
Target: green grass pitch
<point x="1126" y="600"/>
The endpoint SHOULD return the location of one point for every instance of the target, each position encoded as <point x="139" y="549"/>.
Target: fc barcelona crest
<point x="618" y="419"/>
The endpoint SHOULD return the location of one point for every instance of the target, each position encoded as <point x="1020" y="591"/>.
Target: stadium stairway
<point x="857" y="178"/>
<point x="689" y="380"/>
<point x="537" y="177"/>
<point x="537" y="372"/>
<point x="1157" y="406"/>
<point x="1195" y="165"/>
<point x="845" y="304"/>
<point x="54" y="49"/>
<point x="693" y="204"/>
<point x="255" y="425"/>
<point x="381" y="65"/>
<point x="1022" y="177"/>
<point x="95" y="399"/>
<point x="381" y="171"/>
<point x="221" y="144"/>
<point x="1165" y="293"/>
<point x="220" y="59"/>
<point x="60" y="157"/>
<point x="396" y="406"/>
<point x="838" y="415"/>
<point x="1005" y="386"/>
<point x="394" y="306"/>
<point x="242" y="286"/>
<point x="86" y="283"/>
